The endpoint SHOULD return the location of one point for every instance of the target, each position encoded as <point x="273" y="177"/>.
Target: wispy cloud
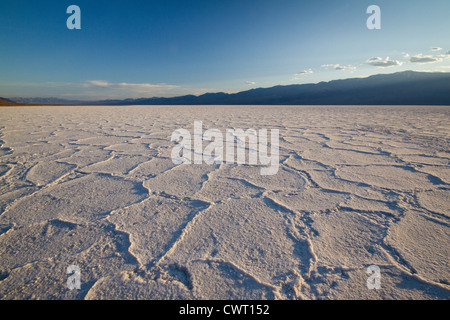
<point x="304" y="72"/>
<point x="345" y="68"/>
<point x="98" y="83"/>
<point x="100" y="89"/>
<point x="301" y="74"/>
<point x="383" y="63"/>
<point x="132" y="90"/>
<point x="133" y="87"/>
<point x="428" y="58"/>
<point x="420" y="58"/>
<point x="338" y="67"/>
<point x="250" y="83"/>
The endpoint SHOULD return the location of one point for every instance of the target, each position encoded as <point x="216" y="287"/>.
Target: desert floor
<point x="96" y="187"/>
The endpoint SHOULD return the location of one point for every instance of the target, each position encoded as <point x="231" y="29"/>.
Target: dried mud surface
<point x="95" y="187"/>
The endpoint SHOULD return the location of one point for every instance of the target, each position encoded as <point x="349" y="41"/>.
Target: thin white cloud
<point x="250" y="83"/>
<point x="101" y="89"/>
<point x="304" y="72"/>
<point x="420" y="58"/>
<point x="301" y="74"/>
<point x="383" y="63"/>
<point x="338" y="67"/>
<point x="98" y="83"/>
<point x="132" y="88"/>
<point x="144" y="86"/>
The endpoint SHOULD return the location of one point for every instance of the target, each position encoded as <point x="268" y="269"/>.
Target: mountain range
<point x="402" y="88"/>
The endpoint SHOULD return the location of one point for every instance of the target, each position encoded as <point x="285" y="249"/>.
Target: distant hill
<point x="402" y="88"/>
<point x="47" y="101"/>
<point x="4" y="102"/>
<point x="7" y="102"/>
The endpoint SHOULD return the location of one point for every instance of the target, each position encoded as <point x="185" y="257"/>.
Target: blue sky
<point x="131" y="49"/>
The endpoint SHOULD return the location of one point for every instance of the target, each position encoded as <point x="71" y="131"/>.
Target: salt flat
<point x="96" y="187"/>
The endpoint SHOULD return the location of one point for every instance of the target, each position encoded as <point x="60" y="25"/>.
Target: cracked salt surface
<point x="95" y="187"/>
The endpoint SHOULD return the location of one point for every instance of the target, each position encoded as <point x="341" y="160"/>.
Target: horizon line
<point x="11" y="98"/>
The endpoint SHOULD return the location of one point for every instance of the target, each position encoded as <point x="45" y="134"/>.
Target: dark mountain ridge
<point x="402" y="88"/>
